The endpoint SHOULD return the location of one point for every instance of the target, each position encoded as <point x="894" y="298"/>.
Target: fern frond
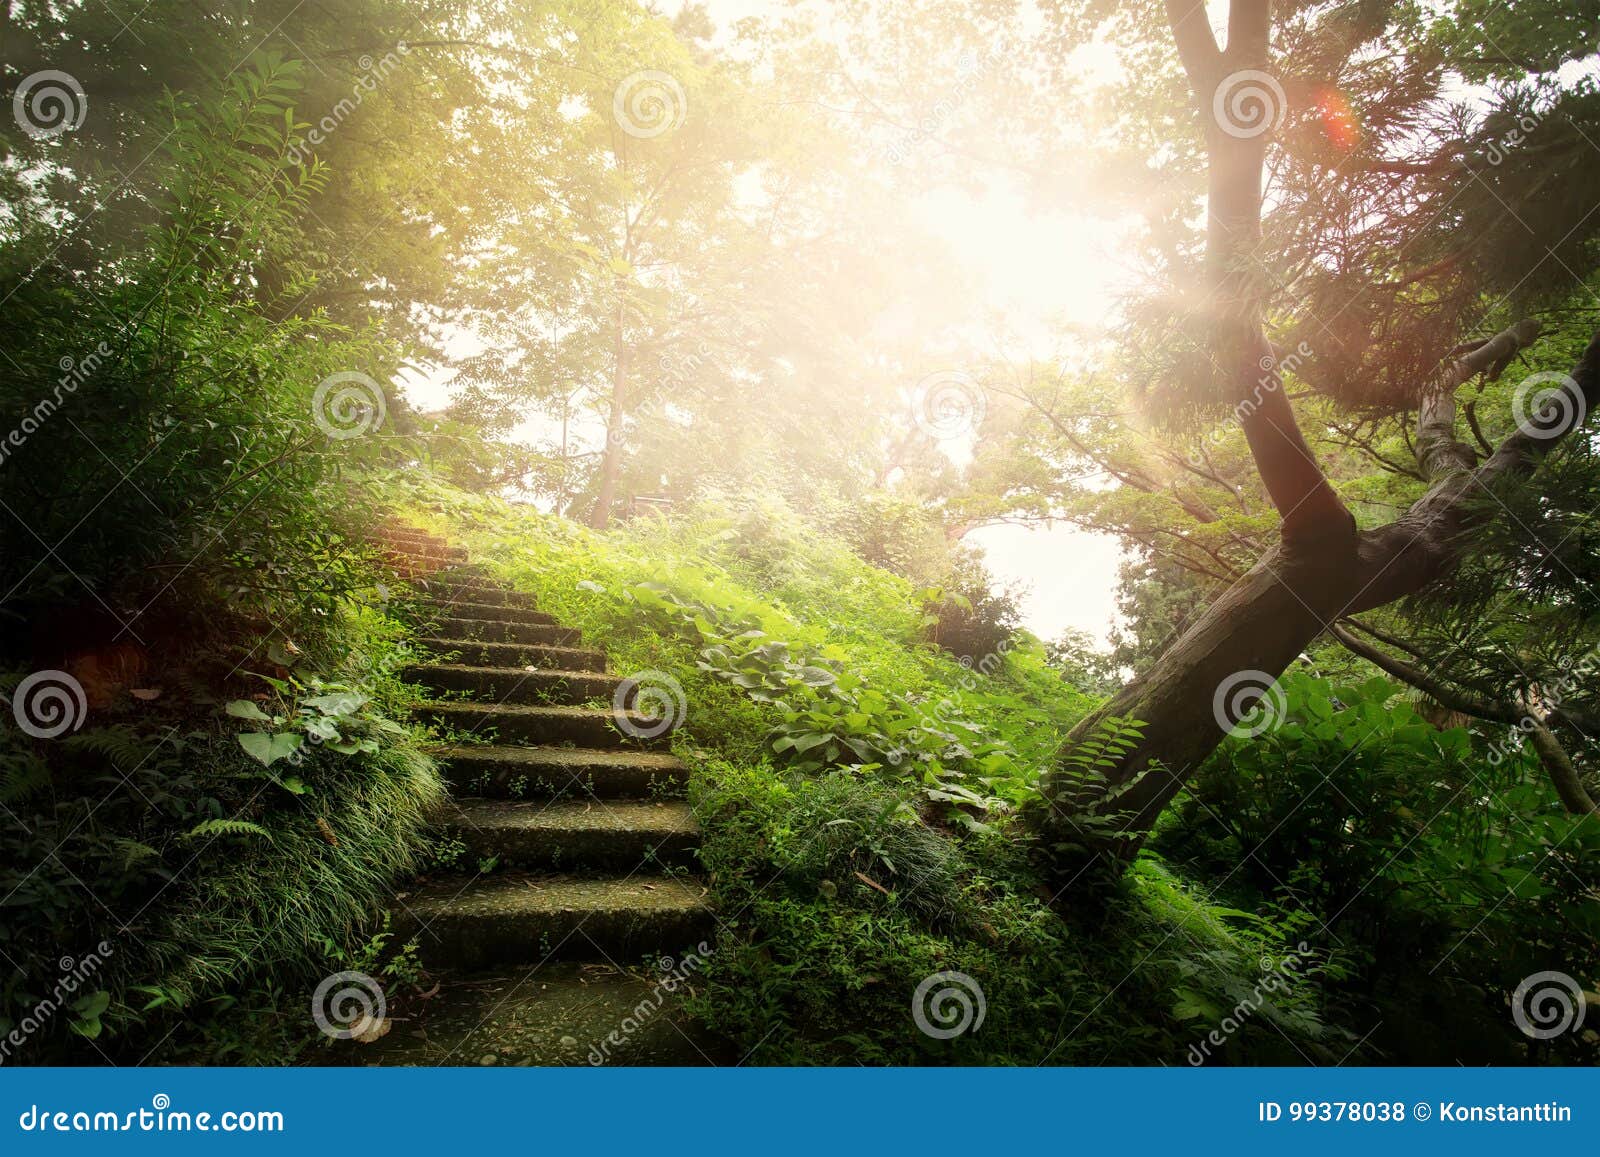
<point x="227" y="828"/>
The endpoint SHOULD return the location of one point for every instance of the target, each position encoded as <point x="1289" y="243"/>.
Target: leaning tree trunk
<point x="1099" y="802"/>
<point x="616" y="420"/>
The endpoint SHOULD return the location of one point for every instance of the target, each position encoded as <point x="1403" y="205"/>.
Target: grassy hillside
<point x="858" y="788"/>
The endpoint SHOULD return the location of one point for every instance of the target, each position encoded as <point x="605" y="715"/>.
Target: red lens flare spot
<point x="1338" y="119"/>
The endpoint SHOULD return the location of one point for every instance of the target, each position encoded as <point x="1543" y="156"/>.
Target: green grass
<point x="221" y="887"/>
<point x="843" y="884"/>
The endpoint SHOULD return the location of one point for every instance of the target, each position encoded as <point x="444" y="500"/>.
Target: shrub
<point x="1449" y="877"/>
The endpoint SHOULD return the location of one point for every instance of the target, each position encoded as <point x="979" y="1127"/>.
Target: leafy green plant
<point x="334" y="717"/>
<point x="1412" y="845"/>
<point x="827" y="716"/>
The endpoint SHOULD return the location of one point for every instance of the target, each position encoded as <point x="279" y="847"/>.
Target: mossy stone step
<point x="560" y="1014"/>
<point x="446" y="588"/>
<point x="412" y="538"/>
<point x="446" y="554"/>
<point x="499" y="631"/>
<point x="573" y="833"/>
<point x="516" y="684"/>
<point x="514" y="918"/>
<point x="581" y="726"/>
<point x="493" y="612"/>
<point x="479" y="653"/>
<point x="521" y="772"/>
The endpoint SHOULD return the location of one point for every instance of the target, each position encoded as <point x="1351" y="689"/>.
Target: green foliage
<point x="195" y="394"/>
<point x="827" y="715"/>
<point x="788" y="646"/>
<point x="971" y="618"/>
<point x="1413" y="846"/>
<point x="836" y="903"/>
<point x="208" y="875"/>
<point x="335" y="717"/>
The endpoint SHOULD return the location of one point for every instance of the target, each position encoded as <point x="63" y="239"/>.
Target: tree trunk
<point x="1194" y="695"/>
<point x="1099" y="803"/>
<point x="611" y="456"/>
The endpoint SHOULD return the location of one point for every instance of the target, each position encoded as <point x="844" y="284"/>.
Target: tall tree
<point x="1323" y="566"/>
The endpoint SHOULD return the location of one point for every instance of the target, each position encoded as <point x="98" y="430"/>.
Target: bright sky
<point x="1039" y="270"/>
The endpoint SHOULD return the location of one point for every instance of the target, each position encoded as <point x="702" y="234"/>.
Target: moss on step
<point x="515" y="684"/>
<point x="515" y="654"/>
<point x="485" y="770"/>
<point x="585" y="726"/>
<point x="577" y="832"/>
<point x="561" y="1014"/>
<point x="516" y="918"/>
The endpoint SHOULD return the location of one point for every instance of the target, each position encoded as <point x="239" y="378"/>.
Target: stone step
<point x="492" y="631"/>
<point x="478" y="653"/>
<point x="576" y="833"/>
<point x="412" y="538"/>
<point x="449" y="587"/>
<point x="517" y="684"/>
<point x="521" y="772"/>
<point x="415" y="569"/>
<point x="579" y="726"/>
<point x="437" y="559"/>
<point x="487" y="611"/>
<point x="514" y="918"/>
<point x="560" y="1014"/>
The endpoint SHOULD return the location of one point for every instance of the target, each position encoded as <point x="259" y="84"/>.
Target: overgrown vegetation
<point x="693" y="386"/>
<point x="845" y="876"/>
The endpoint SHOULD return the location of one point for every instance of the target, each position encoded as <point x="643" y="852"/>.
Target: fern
<point x="21" y="777"/>
<point x="1100" y="752"/>
<point x="133" y="851"/>
<point x="122" y="746"/>
<point x="227" y="828"/>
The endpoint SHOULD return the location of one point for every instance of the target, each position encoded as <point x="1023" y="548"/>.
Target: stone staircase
<point x="577" y="840"/>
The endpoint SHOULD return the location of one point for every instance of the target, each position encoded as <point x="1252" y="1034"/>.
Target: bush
<point x="971" y="618"/>
<point x="207" y="875"/>
<point x="835" y="905"/>
<point x="1447" y="877"/>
